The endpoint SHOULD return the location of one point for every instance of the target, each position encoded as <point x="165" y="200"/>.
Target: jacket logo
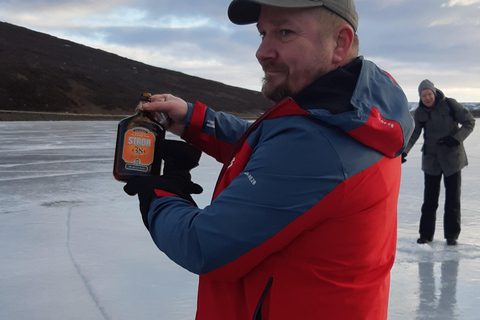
<point x="385" y="122"/>
<point x="210" y="123"/>
<point x="250" y="178"/>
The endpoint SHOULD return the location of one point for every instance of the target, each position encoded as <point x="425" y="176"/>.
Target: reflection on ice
<point x="72" y="244"/>
<point x="434" y="303"/>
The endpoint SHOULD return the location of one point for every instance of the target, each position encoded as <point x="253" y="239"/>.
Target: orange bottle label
<point x="139" y="147"/>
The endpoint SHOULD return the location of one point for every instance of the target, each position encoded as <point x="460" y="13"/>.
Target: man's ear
<point x="344" y="41"/>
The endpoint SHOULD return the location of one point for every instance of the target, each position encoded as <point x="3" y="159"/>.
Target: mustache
<point x="269" y="66"/>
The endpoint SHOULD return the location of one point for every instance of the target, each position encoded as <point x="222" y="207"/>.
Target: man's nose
<point x="266" y="50"/>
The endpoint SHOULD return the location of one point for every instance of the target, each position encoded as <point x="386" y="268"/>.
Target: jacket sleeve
<point x="267" y="206"/>
<point x="215" y="133"/>
<point x="463" y="117"/>
<point x="415" y="135"/>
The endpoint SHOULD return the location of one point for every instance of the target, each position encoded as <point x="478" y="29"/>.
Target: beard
<point x="295" y="80"/>
<point x="277" y="92"/>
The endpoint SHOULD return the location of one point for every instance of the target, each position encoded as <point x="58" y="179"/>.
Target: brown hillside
<point x="42" y="73"/>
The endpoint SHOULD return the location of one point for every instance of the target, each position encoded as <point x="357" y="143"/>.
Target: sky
<point x="413" y="40"/>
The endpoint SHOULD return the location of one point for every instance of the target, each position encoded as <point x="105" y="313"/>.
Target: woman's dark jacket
<point x="438" y="122"/>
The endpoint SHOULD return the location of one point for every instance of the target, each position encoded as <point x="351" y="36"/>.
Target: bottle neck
<point x="147" y="115"/>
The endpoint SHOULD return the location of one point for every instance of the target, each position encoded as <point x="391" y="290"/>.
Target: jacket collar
<point x="332" y="91"/>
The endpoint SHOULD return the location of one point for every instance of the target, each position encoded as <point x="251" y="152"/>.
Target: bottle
<point x="137" y="151"/>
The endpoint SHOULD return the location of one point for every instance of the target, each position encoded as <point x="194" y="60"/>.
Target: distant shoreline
<point x="14" y="115"/>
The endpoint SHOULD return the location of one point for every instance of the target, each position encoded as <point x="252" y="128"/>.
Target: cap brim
<point x="243" y="11"/>
<point x="248" y="11"/>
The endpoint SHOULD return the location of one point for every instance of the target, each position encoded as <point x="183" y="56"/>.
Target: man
<point x="302" y="224"/>
<point x="445" y="124"/>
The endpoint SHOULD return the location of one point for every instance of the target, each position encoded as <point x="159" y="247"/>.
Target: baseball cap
<point x="248" y="11"/>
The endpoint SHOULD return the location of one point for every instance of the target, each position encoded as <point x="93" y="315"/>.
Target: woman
<point x="443" y="154"/>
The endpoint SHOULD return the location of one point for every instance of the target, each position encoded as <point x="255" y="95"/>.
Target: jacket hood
<point x="365" y="102"/>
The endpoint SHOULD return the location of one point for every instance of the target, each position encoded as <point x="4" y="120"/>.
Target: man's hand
<point x="174" y="107"/>
<point x="180" y="157"/>
<point x="178" y="184"/>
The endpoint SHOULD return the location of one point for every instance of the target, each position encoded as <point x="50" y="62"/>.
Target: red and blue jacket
<point x="302" y="224"/>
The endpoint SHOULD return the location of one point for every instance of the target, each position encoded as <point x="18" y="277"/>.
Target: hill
<point x="56" y="77"/>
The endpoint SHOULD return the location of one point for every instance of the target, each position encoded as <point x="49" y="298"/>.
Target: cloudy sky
<point x="411" y="39"/>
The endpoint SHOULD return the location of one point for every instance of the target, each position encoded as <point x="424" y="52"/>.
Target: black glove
<point x="404" y="157"/>
<point x="179" y="184"/>
<point x="179" y="158"/>
<point x="449" y="141"/>
<point x="179" y="155"/>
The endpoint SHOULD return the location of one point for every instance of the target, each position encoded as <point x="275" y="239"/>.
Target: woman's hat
<point x="426" y="84"/>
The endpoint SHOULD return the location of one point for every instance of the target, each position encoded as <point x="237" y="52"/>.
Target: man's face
<point x="428" y="98"/>
<point x="294" y="50"/>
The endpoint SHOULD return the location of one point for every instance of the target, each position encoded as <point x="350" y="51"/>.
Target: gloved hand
<point x="404" y="157"/>
<point x="181" y="155"/>
<point x="449" y="141"/>
<point x="180" y="158"/>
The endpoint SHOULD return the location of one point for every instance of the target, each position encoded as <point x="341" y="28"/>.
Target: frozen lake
<point x="73" y="246"/>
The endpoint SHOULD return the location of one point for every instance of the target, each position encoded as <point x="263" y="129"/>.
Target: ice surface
<point x="72" y="244"/>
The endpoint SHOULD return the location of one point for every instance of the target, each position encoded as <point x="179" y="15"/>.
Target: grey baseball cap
<point x="248" y="11"/>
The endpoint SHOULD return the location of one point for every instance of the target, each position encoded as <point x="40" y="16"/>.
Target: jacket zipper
<point x="258" y="311"/>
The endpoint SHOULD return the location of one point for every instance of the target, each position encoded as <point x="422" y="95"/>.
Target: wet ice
<point x="72" y="244"/>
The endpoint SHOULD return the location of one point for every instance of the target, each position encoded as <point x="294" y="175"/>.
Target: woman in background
<point x="442" y="154"/>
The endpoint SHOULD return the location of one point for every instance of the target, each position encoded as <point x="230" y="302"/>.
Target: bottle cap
<point x="145" y="96"/>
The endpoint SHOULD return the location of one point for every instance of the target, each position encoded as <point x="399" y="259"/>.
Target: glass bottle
<point x="137" y="151"/>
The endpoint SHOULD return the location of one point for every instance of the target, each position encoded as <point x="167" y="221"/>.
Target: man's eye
<point x="286" y="32"/>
